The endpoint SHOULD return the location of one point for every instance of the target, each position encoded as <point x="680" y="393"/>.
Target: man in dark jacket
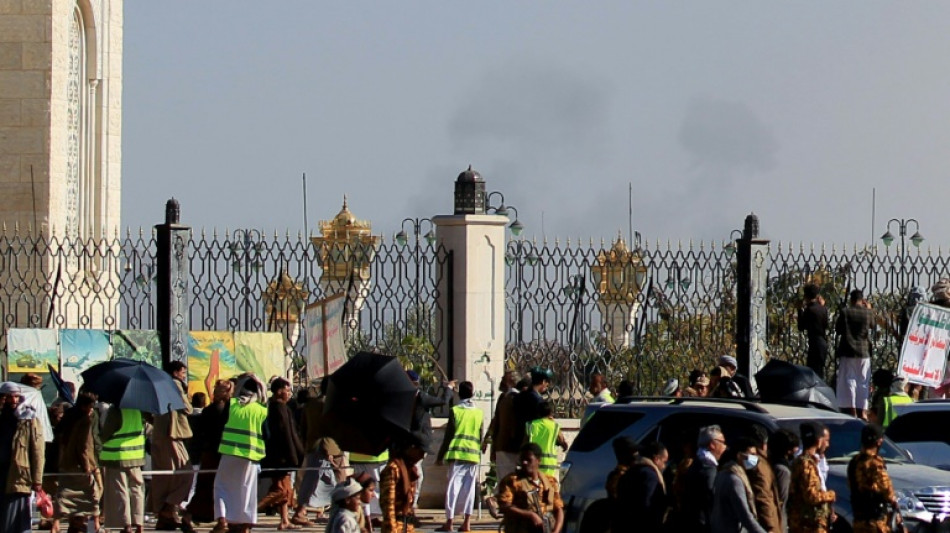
<point x="284" y="450"/>
<point x="853" y="327"/>
<point x="501" y="430"/>
<point x="528" y="403"/>
<point x="765" y="491"/>
<point x="813" y="320"/>
<point x="701" y="477"/>
<point x="422" y="419"/>
<point x="641" y="492"/>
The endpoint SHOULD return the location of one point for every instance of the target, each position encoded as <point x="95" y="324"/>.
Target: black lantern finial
<point x="469" y="193"/>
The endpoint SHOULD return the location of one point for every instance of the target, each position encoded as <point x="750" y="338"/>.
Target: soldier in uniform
<point x="809" y="501"/>
<point x="529" y="499"/>
<point x="871" y="489"/>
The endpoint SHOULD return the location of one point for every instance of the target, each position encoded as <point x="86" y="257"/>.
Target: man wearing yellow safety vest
<point x="598" y="387"/>
<point x="122" y="458"/>
<point x="897" y="396"/>
<point x="241" y="448"/>
<point x="546" y="433"/>
<point x="463" y="434"/>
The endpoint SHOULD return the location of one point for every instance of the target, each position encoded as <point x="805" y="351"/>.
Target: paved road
<point x="431" y="520"/>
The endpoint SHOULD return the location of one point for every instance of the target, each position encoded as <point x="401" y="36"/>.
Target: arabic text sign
<point x="325" y="349"/>
<point x="924" y="353"/>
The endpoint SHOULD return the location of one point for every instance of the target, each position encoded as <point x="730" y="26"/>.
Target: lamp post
<point x="246" y="248"/>
<point x="575" y="290"/>
<point x="402" y="238"/>
<point x="501" y="209"/>
<point x="915" y="239"/>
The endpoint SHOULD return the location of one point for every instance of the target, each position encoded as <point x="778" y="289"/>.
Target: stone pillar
<point x="173" y="310"/>
<point x="471" y="308"/>
<point x="752" y="276"/>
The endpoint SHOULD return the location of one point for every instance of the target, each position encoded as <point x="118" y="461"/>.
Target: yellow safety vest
<point x="465" y="444"/>
<point x="128" y="443"/>
<point x="889" y="402"/>
<point x="362" y="458"/>
<point x="243" y="434"/>
<point x="544" y="432"/>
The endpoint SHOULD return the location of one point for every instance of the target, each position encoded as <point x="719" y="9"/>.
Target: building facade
<point x="61" y="116"/>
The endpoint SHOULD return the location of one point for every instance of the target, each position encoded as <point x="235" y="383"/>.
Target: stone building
<point x="61" y="115"/>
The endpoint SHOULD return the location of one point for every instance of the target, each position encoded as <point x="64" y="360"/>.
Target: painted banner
<point x="137" y="344"/>
<point x="210" y="358"/>
<point x="261" y="353"/>
<point x="325" y="349"/>
<point x="924" y="353"/>
<point x="81" y="349"/>
<point x="31" y="350"/>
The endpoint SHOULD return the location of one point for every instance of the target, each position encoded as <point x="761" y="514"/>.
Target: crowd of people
<point x="93" y="468"/>
<point x="757" y="484"/>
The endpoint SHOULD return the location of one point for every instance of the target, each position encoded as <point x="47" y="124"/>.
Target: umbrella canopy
<point x="134" y="385"/>
<point x="61" y="387"/>
<point x="781" y="381"/>
<point x="32" y="405"/>
<point x="369" y="403"/>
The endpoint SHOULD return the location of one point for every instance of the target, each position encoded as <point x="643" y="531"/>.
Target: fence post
<point x="173" y="309"/>
<point x="752" y="275"/>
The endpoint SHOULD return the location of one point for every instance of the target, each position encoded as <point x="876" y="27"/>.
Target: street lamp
<point x="402" y="238"/>
<point x="915" y="239"/>
<point x="734" y="236"/>
<point x="575" y="290"/>
<point x="246" y="249"/>
<point x="503" y="210"/>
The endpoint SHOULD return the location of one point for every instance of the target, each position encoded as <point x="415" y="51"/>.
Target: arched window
<point x="83" y="181"/>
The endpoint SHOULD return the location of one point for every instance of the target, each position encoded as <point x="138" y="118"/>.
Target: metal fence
<point x="681" y="315"/>
<point x="110" y="283"/>
<point x="684" y="310"/>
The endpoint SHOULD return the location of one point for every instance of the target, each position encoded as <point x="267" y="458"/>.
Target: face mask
<point x="751" y="462"/>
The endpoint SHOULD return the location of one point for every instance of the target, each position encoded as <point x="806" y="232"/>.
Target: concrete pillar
<point x="173" y="310"/>
<point x="472" y="302"/>
<point x="752" y="277"/>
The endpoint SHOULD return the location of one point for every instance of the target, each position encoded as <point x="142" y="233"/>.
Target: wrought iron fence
<point x="671" y="309"/>
<point x="676" y="313"/>
<point x="109" y="283"/>
<point x="681" y="313"/>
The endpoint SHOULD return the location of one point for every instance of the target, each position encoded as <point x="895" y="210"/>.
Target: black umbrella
<point x="61" y="387"/>
<point x="369" y="403"/>
<point x="134" y="385"/>
<point x="781" y="381"/>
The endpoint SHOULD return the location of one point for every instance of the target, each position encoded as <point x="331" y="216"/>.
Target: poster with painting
<point x="81" y="349"/>
<point x="31" y="350"/>
<point x="137" y="344"/>
<point x="260" y="352"/>
<point x="210" y="358"/>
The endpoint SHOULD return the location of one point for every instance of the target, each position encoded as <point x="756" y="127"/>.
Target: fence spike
<point x="16" y="227"/>
<point x="603" y="245"/>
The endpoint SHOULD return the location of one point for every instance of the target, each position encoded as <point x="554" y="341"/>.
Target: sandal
<point x="287" y="527"/>
<point x="301" y="522"/>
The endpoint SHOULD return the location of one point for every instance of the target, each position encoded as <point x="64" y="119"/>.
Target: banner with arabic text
<point x="924" y="353"/>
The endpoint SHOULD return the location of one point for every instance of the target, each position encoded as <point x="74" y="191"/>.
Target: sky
<point x="795" y="111"/>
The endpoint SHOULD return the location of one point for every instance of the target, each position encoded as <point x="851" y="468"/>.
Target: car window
<point x="602" y="427"/>
<point x="680" y="431"/>
<point x="846" y="439"/>
<point x="920" y="426"/>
